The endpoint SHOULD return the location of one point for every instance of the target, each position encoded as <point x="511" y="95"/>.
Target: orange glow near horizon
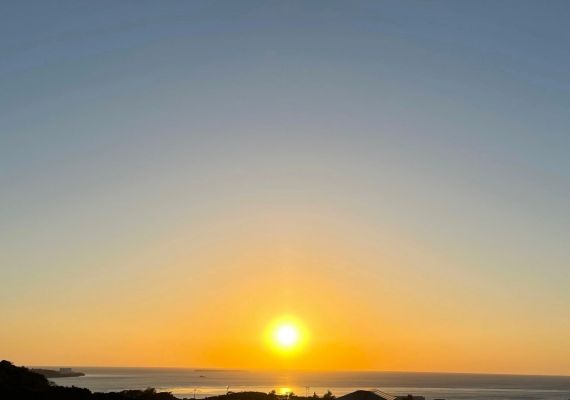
<point x="345" y="319"/>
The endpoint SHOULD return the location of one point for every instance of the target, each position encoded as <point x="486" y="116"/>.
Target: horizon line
<point x="260" y="370"/>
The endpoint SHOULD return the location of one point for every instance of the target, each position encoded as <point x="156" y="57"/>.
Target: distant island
<point x="62" y="373"/>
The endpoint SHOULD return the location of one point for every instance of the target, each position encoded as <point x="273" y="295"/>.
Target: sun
<point x="286" y="336"/>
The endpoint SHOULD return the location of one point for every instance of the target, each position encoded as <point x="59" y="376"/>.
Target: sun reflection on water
<point x="284" y="390"/>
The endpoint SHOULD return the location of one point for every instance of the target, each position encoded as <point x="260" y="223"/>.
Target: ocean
<point x="200" y="383"/>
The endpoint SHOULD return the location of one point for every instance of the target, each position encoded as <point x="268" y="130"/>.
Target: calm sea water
<point x="202" y="383"/>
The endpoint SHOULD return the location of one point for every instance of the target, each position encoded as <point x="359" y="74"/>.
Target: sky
<point x="393" y="175"/>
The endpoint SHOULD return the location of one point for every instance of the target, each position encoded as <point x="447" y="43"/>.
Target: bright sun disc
<point x="286" y="336"/>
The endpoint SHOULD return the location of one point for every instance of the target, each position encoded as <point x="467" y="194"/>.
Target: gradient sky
<point x="176" y="175"/>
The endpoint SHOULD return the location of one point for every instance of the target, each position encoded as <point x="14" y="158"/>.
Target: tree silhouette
<point x="329" y="396"/>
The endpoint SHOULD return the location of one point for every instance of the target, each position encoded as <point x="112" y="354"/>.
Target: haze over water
<point x="183" y="382"/>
